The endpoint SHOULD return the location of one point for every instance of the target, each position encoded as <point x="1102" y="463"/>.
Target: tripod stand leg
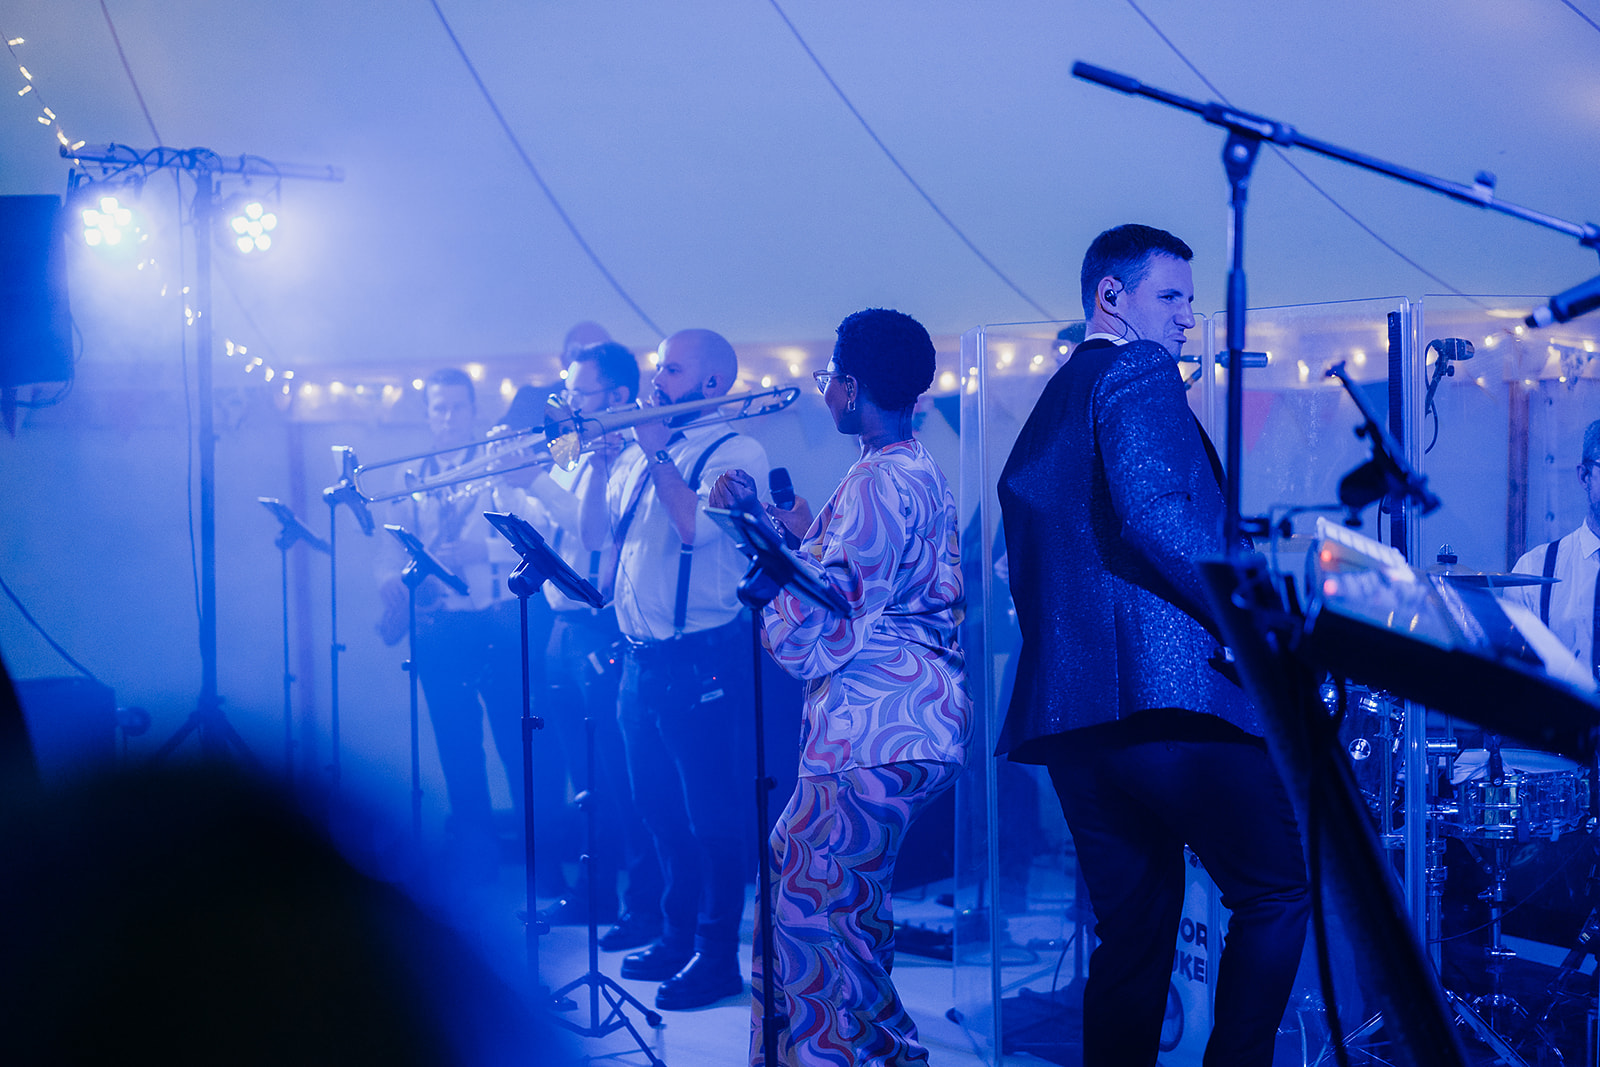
<point x="1483" y="1031"/>
<point x="599" y="985"/>
<point x="170" y="745"/>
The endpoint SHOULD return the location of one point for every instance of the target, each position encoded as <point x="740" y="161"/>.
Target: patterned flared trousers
<point x="833" y="851"/>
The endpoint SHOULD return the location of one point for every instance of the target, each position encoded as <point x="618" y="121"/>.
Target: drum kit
<point x="1499" y="804"/>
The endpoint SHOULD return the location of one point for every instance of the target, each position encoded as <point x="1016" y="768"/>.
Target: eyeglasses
<point x="825" y="378"/>
<point x="574" y="395"/>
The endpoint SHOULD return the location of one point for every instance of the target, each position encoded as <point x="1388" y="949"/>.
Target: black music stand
<point x="773" y="568"/>
<point x="291" y="530"/>
<point x="342" y="492"/>
<point x="540" y="564"/>
<point x="419" y="569"/>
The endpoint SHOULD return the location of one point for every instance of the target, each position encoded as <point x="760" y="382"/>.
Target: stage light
<point x="111" y="225"/>
<point x="246" y="224"/>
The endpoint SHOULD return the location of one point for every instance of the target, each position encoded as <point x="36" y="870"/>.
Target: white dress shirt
<point x="1572" y="597"/>
<point x="647" y="570"/>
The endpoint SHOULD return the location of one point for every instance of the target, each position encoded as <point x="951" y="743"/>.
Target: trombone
<point x="569" y="434"/>
<point x="565" y="436"/>
<point x="503" y="454"/>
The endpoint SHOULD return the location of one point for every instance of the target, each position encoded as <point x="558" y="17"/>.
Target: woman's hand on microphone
<point x="797" y="520"/>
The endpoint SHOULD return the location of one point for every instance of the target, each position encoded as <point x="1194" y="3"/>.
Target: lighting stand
<point x="291" y="530"/>
<point x="418" y="569"/>
<point x="539" y="565"/>
<point x="118" y="163"/>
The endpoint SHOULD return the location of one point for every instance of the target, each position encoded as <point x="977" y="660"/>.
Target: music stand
<point x="342" y="492"/>
<point x="773" y="568"/>
<point x="539" y="565"/>
<point x="291" y="530"/>
<point x="418" y="569"/>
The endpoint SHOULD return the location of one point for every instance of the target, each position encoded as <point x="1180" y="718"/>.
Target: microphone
<point x="1452" y="348"/>
<point x="1579" y="300"/>
<point x="781" y="488"/>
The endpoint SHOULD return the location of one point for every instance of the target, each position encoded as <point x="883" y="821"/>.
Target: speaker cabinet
<point x="35" y="322"/>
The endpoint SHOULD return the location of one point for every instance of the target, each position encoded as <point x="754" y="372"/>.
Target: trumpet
<point x="569" y="434"/>
<point x="565" y="436"/>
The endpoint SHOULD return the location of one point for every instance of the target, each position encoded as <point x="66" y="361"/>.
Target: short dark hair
<point x="1591" y="443"/>
<point x="1124" y="253"/>
<point x="615" y="363"/>
<point x="447" y="376"/>
<point x="889" y="354"/>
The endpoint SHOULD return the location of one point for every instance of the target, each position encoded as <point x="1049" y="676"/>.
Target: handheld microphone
<point x="781" y="488"/>
<point x="1579" y="300"/>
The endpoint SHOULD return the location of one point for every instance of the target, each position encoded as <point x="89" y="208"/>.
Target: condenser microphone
<point x="781" y="488"/>
<point x="1579" y="300"/>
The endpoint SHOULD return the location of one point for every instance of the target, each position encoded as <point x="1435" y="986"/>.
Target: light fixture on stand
<point x="119" y="165"/>
<point x="111" y="225"/>
<point x="246" y="224"/>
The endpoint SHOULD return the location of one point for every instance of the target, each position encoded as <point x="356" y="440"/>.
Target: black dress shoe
<point x="703" y="980"/>
<point x="630" y="932"/>
<point x="655" y="963"/>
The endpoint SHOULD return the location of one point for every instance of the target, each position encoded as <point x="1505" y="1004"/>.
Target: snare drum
<point x="1542" y="795"/>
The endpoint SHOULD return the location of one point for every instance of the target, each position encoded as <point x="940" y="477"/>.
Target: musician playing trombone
<point x="467" y="646"/>
<point x="686" y="680"/>
<point x="583" y="662"/>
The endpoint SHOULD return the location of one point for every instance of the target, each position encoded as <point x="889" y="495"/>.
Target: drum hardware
<point x="1372" y="729"/>
<point x="1505" y="798"/>
<point x="1440" y="811"/>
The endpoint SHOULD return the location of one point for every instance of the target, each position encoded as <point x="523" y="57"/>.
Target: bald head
<point x="696" y="363"/>
<point x="582" y="336"/>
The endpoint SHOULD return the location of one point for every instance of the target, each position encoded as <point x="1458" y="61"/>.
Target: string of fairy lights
<point x="249" y="228"/>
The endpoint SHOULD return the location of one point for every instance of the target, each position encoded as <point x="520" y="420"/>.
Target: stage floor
<point x="713" y="1036"/>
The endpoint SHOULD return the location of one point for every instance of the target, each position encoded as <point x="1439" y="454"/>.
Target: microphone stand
<point x="772" y="570"/>
<point x="539" y="565"/>
<point x="344" y="492"/>
<point x="419" y="569"/>
<point x="1385" y="474"/>
<point x="1245" y="134"/>
<point x="291" y="530"/>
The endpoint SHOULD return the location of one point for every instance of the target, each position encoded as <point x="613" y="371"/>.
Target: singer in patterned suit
<point x="1111" y="491"/>
<point x="886" y="715"/>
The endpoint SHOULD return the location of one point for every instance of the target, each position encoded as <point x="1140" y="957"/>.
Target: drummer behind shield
<point x="1571" y="607"/>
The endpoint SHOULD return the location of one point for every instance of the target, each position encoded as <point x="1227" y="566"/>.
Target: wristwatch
<point x="662" y="456"/>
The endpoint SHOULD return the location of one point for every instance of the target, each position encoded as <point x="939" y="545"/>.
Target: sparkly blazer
<point x="1110" y="492"/>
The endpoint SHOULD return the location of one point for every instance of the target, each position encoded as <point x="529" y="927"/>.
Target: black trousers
<point x="584" y="668"/>
<point x="685" y="710"/>
<point x="1134" y="792"/>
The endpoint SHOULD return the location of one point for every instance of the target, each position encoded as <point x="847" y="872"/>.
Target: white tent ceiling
<point x="722" y="181"/>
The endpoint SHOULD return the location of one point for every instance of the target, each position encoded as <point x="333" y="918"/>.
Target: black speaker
<point x="35" y="322"/>
<point x="72" y="723"/>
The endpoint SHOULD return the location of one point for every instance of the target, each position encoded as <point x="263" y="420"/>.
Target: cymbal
<point x="1488" y="580"/>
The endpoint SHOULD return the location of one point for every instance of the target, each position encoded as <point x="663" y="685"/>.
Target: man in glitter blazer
<point x="1110" y="493"/>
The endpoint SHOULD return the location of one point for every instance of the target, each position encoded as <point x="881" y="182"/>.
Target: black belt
<point x="677" y="645"/>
